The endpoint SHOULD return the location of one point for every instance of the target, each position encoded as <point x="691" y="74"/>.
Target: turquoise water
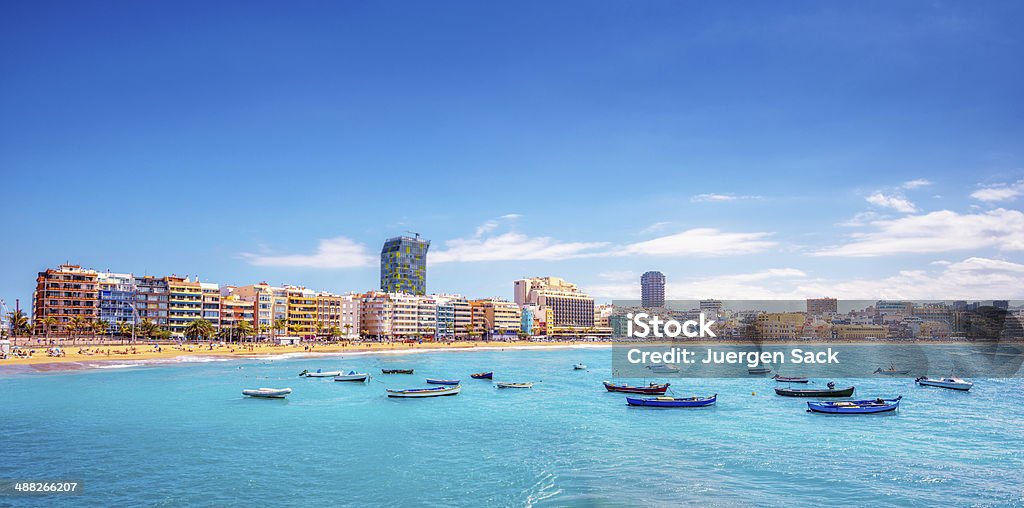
<point x="183" y="435"/>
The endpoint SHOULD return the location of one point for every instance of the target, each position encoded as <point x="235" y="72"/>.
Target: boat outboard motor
<point x="831" y="385"/>
<point x="303" y="373"/>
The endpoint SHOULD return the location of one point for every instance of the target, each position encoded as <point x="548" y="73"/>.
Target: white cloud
<point x="974" y="278"/>
<point x="486" y="227"/>
<point x="701" y="242"/>
<point x="510" y="216"/>
<point x="719" y="198"/>
<point x="940" y="231"/>
<point x="512" y="246"/>
<point x="654" y="228"/>
<point x="340" y="252"/>
<point x="1000" y="192"/>
<point x="896" y="202"/>
<point x="915" y="184"/>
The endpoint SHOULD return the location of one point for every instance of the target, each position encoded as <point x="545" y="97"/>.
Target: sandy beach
<point x="75" y="357"/>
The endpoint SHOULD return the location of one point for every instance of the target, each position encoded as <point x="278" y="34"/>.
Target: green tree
<point x="77" y="324"/>
<point x="147" y="329"/>
<point x="124" y="329"/>
<point x="18" y="323"/>
<point x="48" y="323"/>
<point x="199" y="329"/>
<point x="333" y="332"/>
<point x="99" y="327"/>
<point x="279" y="325"/>
<point x="469" y="330"/>
<point x="244" y="329"/>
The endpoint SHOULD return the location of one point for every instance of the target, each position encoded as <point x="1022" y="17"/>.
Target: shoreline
<point x="77" y="362"/>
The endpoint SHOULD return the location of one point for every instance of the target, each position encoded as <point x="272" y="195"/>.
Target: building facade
<point x="822" y="306"/>
<point x="652" y="290"/>
<point x="116" y="299"/>
<point x="64" y="293"/>
<point x="403" y="265"/>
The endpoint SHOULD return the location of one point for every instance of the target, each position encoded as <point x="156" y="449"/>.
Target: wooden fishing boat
<point x="514" y="385"/>
<point x="855" y="407"/>
<point x="831" y="391"/>
<point x="579" y="366"/>
<point x="952" y="383"/>
<point x="421" y="393"/>
<point x="672" y="401"/>
<point x="482" y="375"/>
<point x="396" y="371"/>
<point x="320" y="373"/>
<point x="267" y="393"/>
<point x="783" y="379"/>
<point x="891" y="371"/>
<point x="651" y="389"/>
<point x="442" y="381"/>
<point x="759" y="370"/>
<point x="352" y="375"/>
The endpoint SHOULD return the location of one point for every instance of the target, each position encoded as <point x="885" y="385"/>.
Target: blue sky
<point x="746" y="150"/>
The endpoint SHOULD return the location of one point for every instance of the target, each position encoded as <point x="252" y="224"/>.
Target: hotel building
<point x="117" y="299"/>
<point x="652" y="290"/>
<point x="267" y="304"/>
<point x="64" y="293"/>
<point x="151" y="299"/>
<point x="822" y="306"/>
<point x="301" y="311"/>
<point x="184" y="303"/>
<point x="453" y="316"/>
<point x="211" y="302"/>
<point x="493" y="316"/>
<point x="569" y="311"/>
<point x="403" y="265"/>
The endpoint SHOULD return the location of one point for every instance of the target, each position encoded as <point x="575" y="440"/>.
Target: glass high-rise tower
<point x="403" y="265"/>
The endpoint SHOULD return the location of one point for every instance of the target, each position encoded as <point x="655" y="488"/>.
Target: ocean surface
<point x="183" y="435"/>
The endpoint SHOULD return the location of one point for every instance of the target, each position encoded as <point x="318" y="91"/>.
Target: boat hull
<point x="838" y="392"/>
<point x="514" y="385"/>
<point x="642" y="390"/>
<point x="483" y="375"/>
<point x="355" y="378"/>
<point x="323" y="374"/>
<point x="758" y="370"/>
<point x="422" y="393"/>
<point x="673" y="402"/>
<point x="855" y="407"/>
<point x="450" y="382"/>
<point x="781" y="379"/>
<point x="949" y="385"/>
<point x="396" y="371"/>
<point x="268" y="393"/>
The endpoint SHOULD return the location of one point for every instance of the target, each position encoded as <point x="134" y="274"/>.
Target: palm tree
<point x="244" y="329"/>
<point x="98" y="327"/>
<point x="319" y="329"/>
<point x="48" y="323"/>
<point x="280" y="324"/>
<point x="333" y="332"/>
<point x="348" y="329"/>
<point x="19" y="323"/>
<point x="263" y="331"/>
<point x="77" y="323"/>
<point x="124" y="329"/>
<point x="148" y="329"/>
<point x="199" y="329"/>
<point x="469" y="330"/>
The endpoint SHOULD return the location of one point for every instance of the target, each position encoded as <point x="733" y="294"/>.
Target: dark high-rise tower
<point x="403" y="265"/>
<point x="652" y="289"/>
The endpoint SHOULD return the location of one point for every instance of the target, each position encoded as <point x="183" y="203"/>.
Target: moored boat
<point x="267" y="393"/>
<point x="761" y="369"/>
<point x="396" y="371"/>
<point x="650" y="389"/>
<point x="672" y="401"/>
<point x="952" y="383"/>
<point x="514" y="385"/>
<point x="855" y="407"/>
<point x="420" y="393"/>
<point x="831" y="391"/>
<point x="482" y="375"/>
<point x="784" y="379"/>
<point x="431" y="381"/>
<point x="664" y="369"/>
<point x="320" y="373"/>
<point x="352" y="376"/>
<point x="579" y="366"/>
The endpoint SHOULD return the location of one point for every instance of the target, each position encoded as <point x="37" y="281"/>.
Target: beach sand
<point x="84" y="356"/>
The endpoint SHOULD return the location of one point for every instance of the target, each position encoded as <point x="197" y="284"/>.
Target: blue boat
<point x="442" y="381"/>
<point x="483" y="375"/>
<point x="855" y="407"/>
<point x="672" y="401"/>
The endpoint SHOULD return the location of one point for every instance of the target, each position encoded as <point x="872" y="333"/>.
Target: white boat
<point x="320" y="373"/>
<point x="761" y="369"/>
<point x="419" y="393"/>
<point x="352" y="376"/>
<point x="514" y="385"/>
<point x="579" y="366"/>
<point x="953" y="383"/>
<point x="268" y="393"/>
<point x="664" y="369"/>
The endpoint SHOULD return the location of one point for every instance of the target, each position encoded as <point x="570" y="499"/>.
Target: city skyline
<point x="775" y="153"/>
